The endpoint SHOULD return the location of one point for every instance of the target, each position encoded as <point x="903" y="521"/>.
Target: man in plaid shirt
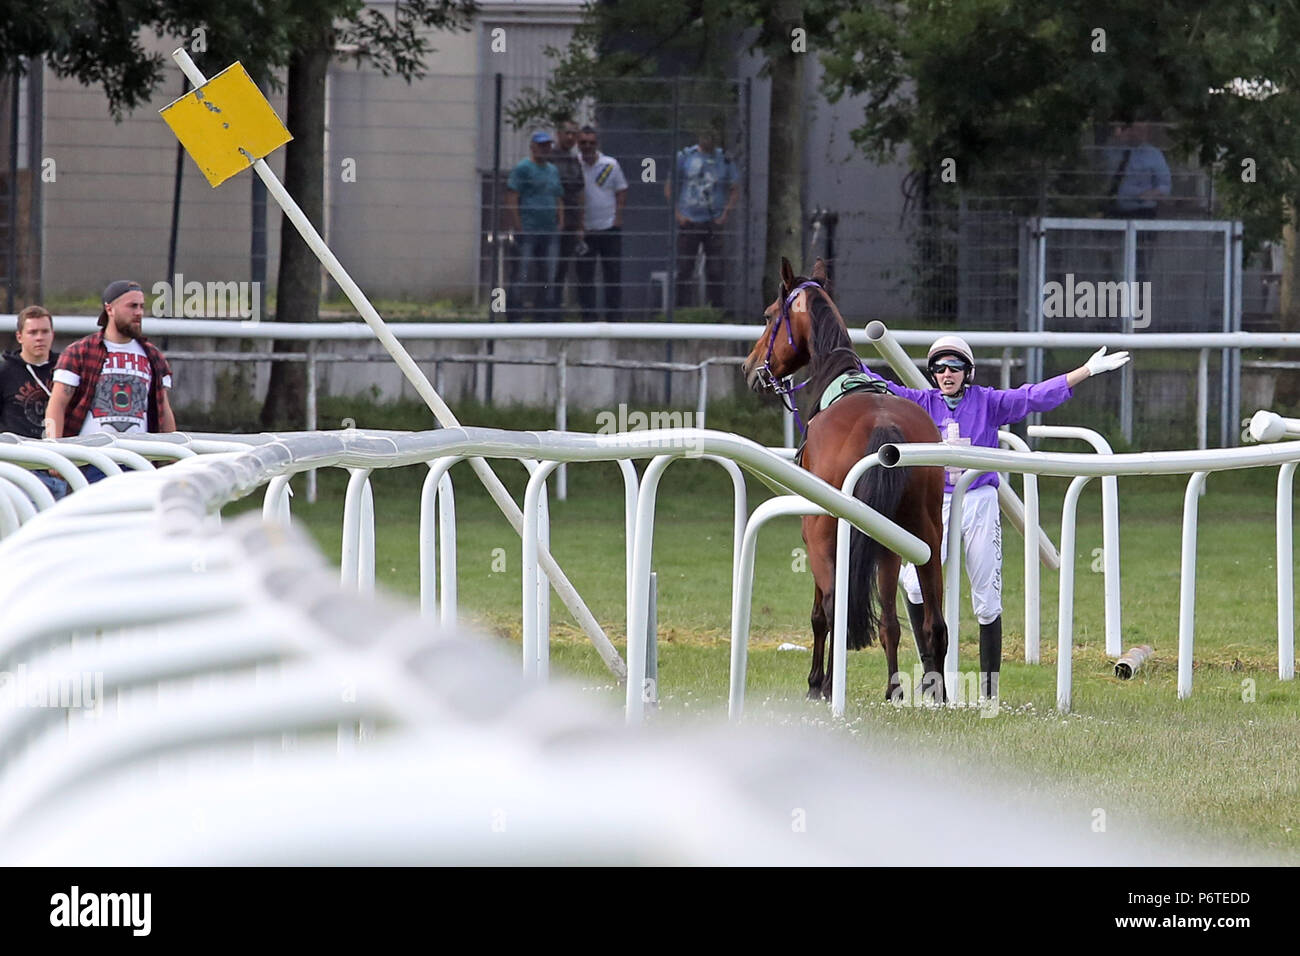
<point x="114" y="380"/>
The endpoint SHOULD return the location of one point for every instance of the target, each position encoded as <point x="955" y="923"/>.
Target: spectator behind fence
<point x="606" y="191"/>
<point x="26" y="378"/>
<point x="1139" y="175"/>
<point x="534" y="207"/>
<point x="569" y="164"/>
<point x="706" y="193"/>
<point x="114" y="380"/>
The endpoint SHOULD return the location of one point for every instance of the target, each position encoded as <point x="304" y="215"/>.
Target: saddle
<point x="842" y="385"/>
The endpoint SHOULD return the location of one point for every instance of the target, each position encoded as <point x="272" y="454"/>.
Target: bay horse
<point x="803" y="327"/>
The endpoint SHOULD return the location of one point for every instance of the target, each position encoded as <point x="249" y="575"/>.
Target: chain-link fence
<point x="678" y="241"/>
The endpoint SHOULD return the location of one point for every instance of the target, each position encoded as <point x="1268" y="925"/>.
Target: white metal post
<point x="1065" y="598"/>
<point x="1187" y="584"/>
<point x="534" y="663"/>
<point x="1285" y="570"/>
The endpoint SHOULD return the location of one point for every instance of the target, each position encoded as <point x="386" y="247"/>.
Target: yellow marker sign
<point x="226" y="124"/>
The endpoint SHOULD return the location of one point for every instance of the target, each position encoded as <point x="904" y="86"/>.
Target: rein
<point x="783" y="387"/>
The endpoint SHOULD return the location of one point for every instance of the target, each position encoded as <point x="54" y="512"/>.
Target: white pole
<point x="429" y="540"/>
<point x="533" y="666"/>
<point x="496" y="489"/>
<point x="366" y="542"/>
<point x="952" y="574"/>
<point x="1285" y="596"/>
<point x="1033" y="613"/>
<point x="1187" y="584"/>
<point x="643" y="538"/>
<point x="349" y="559"/>
<point x="562" y="416"/>
<point x="1065" y="599"/>
<point x="447" y="550"/>
<point x="840" y="626"/>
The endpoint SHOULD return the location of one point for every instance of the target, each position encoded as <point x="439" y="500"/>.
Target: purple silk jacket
<point x="979" y="414"/>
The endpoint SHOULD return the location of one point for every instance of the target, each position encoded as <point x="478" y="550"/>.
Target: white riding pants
<point x="981" y="535"/>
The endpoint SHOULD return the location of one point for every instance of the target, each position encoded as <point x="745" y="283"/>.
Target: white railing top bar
<point x="1067" y="465"/>
<point x="206" y="487"/>
<point x="662" y="331"/>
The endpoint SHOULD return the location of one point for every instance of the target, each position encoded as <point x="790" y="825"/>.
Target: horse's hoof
<point x="814" y="693"/>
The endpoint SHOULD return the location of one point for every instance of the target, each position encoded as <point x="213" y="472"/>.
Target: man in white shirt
<point x="605" y="193"/>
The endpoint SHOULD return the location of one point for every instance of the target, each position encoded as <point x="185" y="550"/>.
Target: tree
<point x="99" y="44"/>
<point x="997" y="84"/>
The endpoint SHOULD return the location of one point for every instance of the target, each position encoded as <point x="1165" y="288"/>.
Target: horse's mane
<point x="831" y="350"/>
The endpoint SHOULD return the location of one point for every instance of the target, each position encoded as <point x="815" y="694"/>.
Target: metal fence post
<point x="562" y="415"/>
<point x="311" y="414"/>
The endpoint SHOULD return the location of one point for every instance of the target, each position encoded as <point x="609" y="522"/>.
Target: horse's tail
<point x="881" y="489"/>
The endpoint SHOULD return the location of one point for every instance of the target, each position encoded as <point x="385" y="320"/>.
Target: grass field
<point x="1223" y="766"/>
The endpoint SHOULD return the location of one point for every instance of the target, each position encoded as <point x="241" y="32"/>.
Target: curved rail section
<point x="1196" y="464"/>
<point x="229" y="469"/>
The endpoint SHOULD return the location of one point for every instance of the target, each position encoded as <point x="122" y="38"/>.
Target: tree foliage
<point x="1016" y="84"/>
<point x="100" y="42"/>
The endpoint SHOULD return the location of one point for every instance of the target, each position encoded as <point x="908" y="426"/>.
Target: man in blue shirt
<point x="534" y="207"/>
<point x="1139" y="175"/>
<point x="706" y="193"/>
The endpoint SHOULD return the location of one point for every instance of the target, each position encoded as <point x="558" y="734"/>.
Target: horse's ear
<point x="819" y="274"/>
<point x="787" y="274"/>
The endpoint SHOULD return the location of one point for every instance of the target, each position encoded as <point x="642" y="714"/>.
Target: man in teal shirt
<point x="534" y="200"/>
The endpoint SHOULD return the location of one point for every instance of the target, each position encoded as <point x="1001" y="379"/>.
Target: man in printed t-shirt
<point x="114" y="380"/>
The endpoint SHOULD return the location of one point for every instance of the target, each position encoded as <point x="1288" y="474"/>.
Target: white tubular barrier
<point x="1033" y="615"/>
<point x="275" y="503"/>
<point x="536" y="633"/>
<point x="437" y="492"/>
<point x="1109" y="528"/>
<point x="1198" y="463"/>
<point x="1285" y="570"/>
<point x="31" y="486"/>
<point x="742" y="596"/>
<point x="1065" y="598"/>
<point x="353" y="516"/>
<point x="1268" y="426"/>
<point x="840" y="626"/>
<point x="1187" y="584"/>
<point x="891" y="351"/>
<point x="46" y="456"/>
<point x="952" y="575"/>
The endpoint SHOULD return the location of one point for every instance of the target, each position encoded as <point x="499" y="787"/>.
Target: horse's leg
<point x="934" y="645"/>
<point x="828" y="616"/>
<point x="816" y="675"/>
<point x="889" y="628"/>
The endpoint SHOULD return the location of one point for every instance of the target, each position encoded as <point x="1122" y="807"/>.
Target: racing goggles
<point x="948" y="362"/>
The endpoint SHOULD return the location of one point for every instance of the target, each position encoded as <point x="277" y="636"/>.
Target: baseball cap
<point x="114" y="291"/>
<point x="541" y="136"/>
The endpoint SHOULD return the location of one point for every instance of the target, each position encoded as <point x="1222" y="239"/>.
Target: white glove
<point x="1101" y="362"/>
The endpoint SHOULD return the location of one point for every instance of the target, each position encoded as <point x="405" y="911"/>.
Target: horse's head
<point x="784" y="346"/>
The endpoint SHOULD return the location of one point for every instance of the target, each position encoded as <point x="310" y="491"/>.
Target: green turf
<point x="1223" y="764"/>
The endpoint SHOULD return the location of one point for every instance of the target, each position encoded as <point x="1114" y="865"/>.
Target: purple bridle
<point x="782" y="387"/>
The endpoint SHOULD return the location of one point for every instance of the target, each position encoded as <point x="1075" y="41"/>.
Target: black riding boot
<point x="916" y="616"/>
<point x="990" y="658"/>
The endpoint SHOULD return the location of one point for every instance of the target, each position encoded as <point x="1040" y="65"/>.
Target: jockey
<point x="970" y="414"/>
